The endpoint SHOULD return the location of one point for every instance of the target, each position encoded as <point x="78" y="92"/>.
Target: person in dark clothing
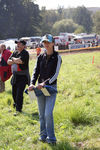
<point x="19" y="62"/>
<point x="46" y="71"/>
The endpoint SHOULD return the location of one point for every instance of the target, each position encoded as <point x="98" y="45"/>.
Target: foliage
<point x="18" y="18"/>
<point x="79" y="15"/>
<point x="48" y="19"/>
<point x="80" y="29"/>
<point x="82" y="17"/>
<point x="76" y="113"/>
<point x="96" y="21"/>
<point x="65" y="25"/>
<point x="68" y="13"/>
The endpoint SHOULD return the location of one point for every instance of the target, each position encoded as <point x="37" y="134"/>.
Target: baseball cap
<point x="48" y="38"/>
<point x="21" y="41"/>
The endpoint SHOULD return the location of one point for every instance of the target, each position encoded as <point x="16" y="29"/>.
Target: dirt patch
<point x="32" y="52"/>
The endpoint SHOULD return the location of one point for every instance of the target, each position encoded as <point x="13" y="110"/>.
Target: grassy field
<point x="76" y="113"/>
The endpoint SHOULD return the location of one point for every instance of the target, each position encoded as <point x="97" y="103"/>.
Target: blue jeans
<point x="46" y="106"/>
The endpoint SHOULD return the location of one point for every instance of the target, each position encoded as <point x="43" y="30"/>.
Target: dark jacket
<point x="20" y="71"/>
<point x="47" y="68"/>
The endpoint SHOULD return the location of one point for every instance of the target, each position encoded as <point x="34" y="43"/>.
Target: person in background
<point x="46" y="71"/>
<point x="19" y="61"/>
<point x="38" y="50"/>
<point x="5" y="69"/>
<point x="8" y="48"/>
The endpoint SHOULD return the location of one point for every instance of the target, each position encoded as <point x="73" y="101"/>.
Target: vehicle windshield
<point x="35" y="40"/>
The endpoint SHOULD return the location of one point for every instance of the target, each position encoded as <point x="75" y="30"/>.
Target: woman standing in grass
<point x="46" y="71"/>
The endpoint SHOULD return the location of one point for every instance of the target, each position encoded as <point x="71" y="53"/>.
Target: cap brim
<point x="45" y="40"/>
<point x="17" y="42"/>
<point x="24" y="43"/>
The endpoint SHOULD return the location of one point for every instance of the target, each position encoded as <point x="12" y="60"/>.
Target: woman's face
<point x="48" y="45"/>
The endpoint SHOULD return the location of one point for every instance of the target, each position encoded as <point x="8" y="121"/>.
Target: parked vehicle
<point x="11" y="44"/>
<point x="2" y="41"/>
<point x="34" y="41"/>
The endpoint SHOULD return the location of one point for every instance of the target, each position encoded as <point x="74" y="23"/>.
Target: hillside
<point x="93" y="9"/>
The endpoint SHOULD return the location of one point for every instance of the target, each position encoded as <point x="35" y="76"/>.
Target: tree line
<point x="20" y="18"/>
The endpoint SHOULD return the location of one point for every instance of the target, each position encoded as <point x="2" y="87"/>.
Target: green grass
<point x="76" y="113"/>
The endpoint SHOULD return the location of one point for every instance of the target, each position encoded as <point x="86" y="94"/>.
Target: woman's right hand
<point x="40" y="85"/>
<point x="30" y="88"/>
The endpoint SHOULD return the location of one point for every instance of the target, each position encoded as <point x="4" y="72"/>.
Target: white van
<point x="34" y="41"/>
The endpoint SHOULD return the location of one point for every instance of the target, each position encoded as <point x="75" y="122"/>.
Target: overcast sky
<point x="53" y="4"/>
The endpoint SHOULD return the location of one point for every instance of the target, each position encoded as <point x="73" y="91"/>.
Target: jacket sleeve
<point x="54" y="77"/>
<point x="36" y="72"/>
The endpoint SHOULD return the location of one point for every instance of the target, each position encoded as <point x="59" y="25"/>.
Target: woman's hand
<point x="41" y="85"/>
<point x="30" y="88"/>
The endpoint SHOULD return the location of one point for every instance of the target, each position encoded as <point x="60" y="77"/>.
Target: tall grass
<point x="76" y="113"/>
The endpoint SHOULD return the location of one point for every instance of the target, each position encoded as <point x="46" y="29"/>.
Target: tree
<point x="48" y="19"/>
<point x="33" y="18"/>
<point x="96" y="21"/>
<point x="82" y="17"/>
<point x="65" y="25"/>
<point x="80" y="29"/>
<point x="19" y="18"/>
<point x="68" y="13"/>
<point x="60" y="12"/>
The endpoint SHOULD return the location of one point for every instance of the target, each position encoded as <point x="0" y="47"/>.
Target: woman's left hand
<point x="41" y="85"/>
